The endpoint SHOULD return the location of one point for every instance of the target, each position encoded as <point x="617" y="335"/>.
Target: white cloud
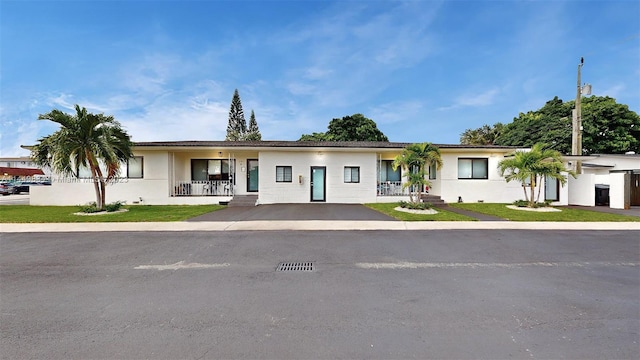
<point x="343" y="59"/>
<point x="614" y="90"/>
<point x="64" y="101"/>
<point x="301" y="88"/>
<point x="474" y="100"/>
<point x="187" y="119"/>
<point x="317" y="73"/>
<point x="349" y="56"/>
<point x="397" y="112"/>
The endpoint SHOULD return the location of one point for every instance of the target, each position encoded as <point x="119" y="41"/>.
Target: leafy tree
<point x="350" y="128"/>
<point x="608" y="127"/>
<point x="253" y="133"/>
<point x="237" y="125"/>
<point x="530" y="167"/>
<point x="414" y="161"/>
<point x="96" y="142"/>
<point x="484" y="135"/>
<point x="315" y="137"/>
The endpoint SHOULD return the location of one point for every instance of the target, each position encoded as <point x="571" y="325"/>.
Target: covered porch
<point x="213" y="173"/>
<point x="390" y="182"/>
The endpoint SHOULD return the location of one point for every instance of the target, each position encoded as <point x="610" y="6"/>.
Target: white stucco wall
<point x="602" y="178"/>
<point x="163" y="167"/>
<point x="581" y="195"/>
<point x="337" y="191"/>
<point x="582" y="190"/>
<point x="153" y="188"/>
<point x="619" y="162"/>
<point x="61" y="193"/>
<point x="616" y="190"/>
<point x="492" y="190"/>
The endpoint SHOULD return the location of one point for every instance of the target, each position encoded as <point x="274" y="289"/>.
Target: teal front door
<point x="318" y="183"/>
<point x="252" y="175"/>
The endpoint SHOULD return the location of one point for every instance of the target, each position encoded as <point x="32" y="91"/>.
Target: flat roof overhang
<point x="306" y="145"/>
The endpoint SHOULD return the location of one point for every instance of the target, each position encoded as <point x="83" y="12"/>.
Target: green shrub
<point x="414" y="206"/>
<point x="114" y="206"/>
<point x="524" y="203"/>
<point x="89" y="208"/>
<point x="521" y="203"/>
<point x="92" y="207"/>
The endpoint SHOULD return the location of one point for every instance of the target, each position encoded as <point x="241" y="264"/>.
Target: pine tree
<point x="253" y="133"/>
<point x="237" y="126"/>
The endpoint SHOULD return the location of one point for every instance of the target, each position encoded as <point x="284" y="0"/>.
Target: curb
<point x="310" y="225"/>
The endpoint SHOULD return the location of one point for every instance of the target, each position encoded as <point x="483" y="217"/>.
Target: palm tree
<point x="96" y="142"/>
<point x="530" y="167"/>
<point x="484" y="135"/>
<point x="414" y="161"/>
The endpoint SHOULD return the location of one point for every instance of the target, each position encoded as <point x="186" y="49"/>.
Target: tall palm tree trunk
<point x="103" y="193"/>
<point x="98" y="182"/>
<point x="532" y="187"/>
<point x="539" y="191"/>
<point x="96" y="187"/>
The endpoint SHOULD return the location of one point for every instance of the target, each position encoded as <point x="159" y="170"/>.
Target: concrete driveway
<point x="295" y="212"/>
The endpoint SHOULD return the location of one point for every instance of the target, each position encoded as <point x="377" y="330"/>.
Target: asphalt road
<point x="452" y="294"/>
<point x="15" y="199"/>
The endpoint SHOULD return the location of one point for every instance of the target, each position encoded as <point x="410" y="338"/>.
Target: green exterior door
<point x="318" y="183"/>
<point x="252" y="175"/>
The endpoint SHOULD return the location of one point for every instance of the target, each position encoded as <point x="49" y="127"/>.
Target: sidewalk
<point x="310" y="217"/>
<point x="311" y="225"/>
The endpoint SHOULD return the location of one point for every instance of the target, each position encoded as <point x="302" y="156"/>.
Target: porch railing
<point x="203" y="188"/>
<point x="391" y="188"/>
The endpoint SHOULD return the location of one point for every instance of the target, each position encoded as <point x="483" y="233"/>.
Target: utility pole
<point x="576" y="139"/>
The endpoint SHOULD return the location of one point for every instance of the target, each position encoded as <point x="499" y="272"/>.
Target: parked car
<point x="21" y="187"/>
<point x="7" y="188"/>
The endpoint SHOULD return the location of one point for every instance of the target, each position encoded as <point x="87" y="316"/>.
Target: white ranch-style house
<point x="268" y="172"/>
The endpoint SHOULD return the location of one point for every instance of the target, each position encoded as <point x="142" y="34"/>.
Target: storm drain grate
<point x="295" y="266"/>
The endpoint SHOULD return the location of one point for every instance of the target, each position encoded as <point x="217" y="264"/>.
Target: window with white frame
<point x="134" y="167"/>
<point x="432" y="171"/>
<point x="283" y="174"/>
<point x="386" y="172"/>
<point x="473" y="168"/>
<point x="210" y="169"/>
<point x="552" y="189"/>
<point x="351" y="174"/>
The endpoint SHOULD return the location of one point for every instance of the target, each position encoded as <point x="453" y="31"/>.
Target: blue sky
<point x="422" y="70"/>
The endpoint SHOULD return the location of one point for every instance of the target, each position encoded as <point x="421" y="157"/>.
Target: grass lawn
<point x="442" y="215"/>
<point x="566" y="214"/>
<point x="136" y="213"/>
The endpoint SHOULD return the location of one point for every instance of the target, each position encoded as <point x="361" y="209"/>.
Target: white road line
<point x="181" y="265"/>
<point x="413" y="265"/>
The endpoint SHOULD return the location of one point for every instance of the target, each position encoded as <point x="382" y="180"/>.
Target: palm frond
<point x="93" y="141"/>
